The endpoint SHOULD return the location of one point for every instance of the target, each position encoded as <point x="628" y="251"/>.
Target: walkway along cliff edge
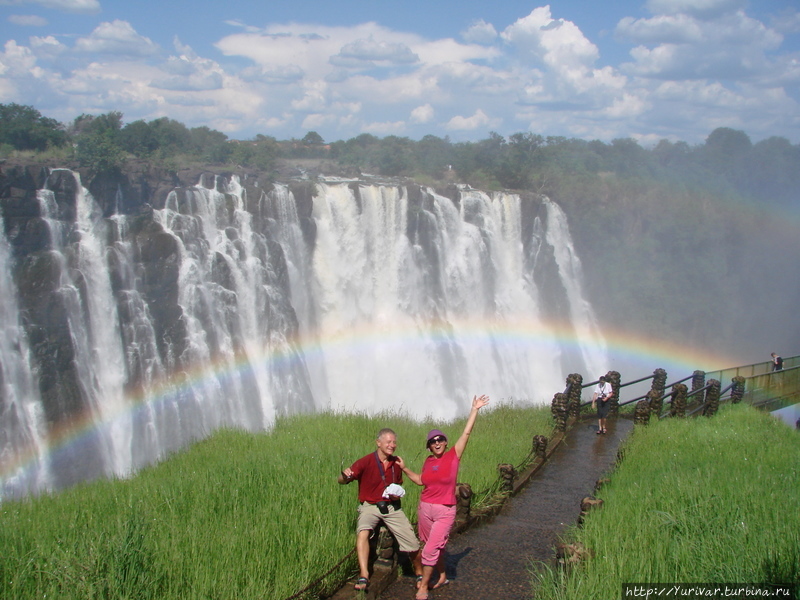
<point x="566" y="408"/>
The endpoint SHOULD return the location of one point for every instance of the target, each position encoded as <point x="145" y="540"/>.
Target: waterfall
<point x="593" y="349"/>
<point x="225" y="305"/>
<point x="24" y="463"/>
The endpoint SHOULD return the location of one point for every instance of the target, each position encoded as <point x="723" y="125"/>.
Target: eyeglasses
<point x="437" y="440"/>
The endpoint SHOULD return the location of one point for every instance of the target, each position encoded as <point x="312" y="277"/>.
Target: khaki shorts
<point x="369" y="517"/>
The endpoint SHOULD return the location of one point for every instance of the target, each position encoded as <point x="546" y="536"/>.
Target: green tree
<point x="396" y="156"/>
<point x="99" y="142"/>
<point x="139" y="139"/>
<point x="312" y="138"/>
<point x="24" y="128"/>
<point x="210" y="145"/>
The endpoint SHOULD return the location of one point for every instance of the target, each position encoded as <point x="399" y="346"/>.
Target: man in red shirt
<point x="374" y="473"/>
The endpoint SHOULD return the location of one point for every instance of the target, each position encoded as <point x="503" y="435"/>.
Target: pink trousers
<point x="435" y="523"/>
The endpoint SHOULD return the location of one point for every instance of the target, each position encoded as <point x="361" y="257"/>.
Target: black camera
<point x="383" y="507"/>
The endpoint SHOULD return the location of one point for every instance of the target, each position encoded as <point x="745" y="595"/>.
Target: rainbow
<point x="634" y="356"/>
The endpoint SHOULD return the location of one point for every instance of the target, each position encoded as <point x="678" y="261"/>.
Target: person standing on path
<point x="437" y="505"/>
<point x="379" y="475"/>
<point x="777" y="362"/>
<point x="601" y="399"/>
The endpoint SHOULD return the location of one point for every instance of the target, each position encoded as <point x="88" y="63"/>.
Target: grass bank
<point x="238" y="515"/>
<point x="706" y="500"/>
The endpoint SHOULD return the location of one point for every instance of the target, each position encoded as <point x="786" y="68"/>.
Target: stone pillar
<point x="678" y="404"/>
<point x="641" y="415"/>
<point x="712" y="398"/>
<point x="507" y="475"/>
<point x="574" y="389"/>
<point x="614" y="378"/>
<point x="698" y="380"/>
<point x="655" y="401"/>
<point x="737" y="391"/>
<point x="385" y="547"/>
<point x="540" y="446"/>
<point x="463" y="504"/>
<point x="659" y="383"/>
<point x="559" y="410"/>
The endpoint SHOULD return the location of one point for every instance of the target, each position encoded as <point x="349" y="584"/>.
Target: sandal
<point x="419" y="580"/>
<point x="361" y="584"/>
<point x="441" y="584"/>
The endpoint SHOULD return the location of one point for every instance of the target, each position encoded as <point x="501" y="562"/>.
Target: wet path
<point x="492" y="561"/>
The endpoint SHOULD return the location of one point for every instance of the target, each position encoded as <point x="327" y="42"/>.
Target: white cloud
<point x="788" y="21"/>
<point x="479" y="120"/>
<point x="384" y="128"/>
<point x="371" y="50"/>
<point x="684" y="47"/>
<point x="422" y="114"/>
<point x="27" y="20"/>
<point x="47" y="48"/>
<point x="480" y="32"/>
<point x="16" y="60"/>
<point x="693" y="63"/>
<point x="74" y="6"/>
<point x="700" y="8"/>
<point x="542" y="40"/>
<point x="117" y="37"/>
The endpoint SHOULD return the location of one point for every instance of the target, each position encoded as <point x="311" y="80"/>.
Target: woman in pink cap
<point x="437" y="504"/>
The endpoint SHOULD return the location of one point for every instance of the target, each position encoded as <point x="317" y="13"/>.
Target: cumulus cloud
<point x="384" y="128"/>
<point x="479" y="120"/>
<point x="542" y="40"/>
<point x="117" y="37"/>
<point x="699" y="8"/>
<point x="47" y="48"/>
<point x="480" y="32"/>
<point x="787" y="22"/>
<point x="370" y="50"/>
<point x="74" y="6"/>
<point x="690" y="61"/>
<point x="680" y="46"/>
<point x="27" y="20"/>
<point x="422" y="114"/>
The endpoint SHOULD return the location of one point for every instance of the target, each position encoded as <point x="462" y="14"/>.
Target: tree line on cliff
<point x="677" y="240"/>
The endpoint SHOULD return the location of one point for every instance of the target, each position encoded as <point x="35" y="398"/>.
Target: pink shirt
<point x="439" y="478"/>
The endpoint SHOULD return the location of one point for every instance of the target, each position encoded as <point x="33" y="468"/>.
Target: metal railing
<point x="763" y="387"/>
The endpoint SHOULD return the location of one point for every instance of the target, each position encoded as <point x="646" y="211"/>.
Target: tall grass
<point x="707" y="500"/>
<point x="238" y="515"/>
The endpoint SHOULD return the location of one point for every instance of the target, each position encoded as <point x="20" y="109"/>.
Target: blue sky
<point x="646" y="69"/>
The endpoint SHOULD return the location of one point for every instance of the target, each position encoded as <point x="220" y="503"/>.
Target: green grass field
<point x="706" y="500"/>
<point x="238" y="515"/>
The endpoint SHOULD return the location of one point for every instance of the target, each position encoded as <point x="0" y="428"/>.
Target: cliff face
<point x="211" y="282"/>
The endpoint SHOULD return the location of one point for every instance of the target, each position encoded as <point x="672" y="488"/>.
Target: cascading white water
<point x="593" y="346"/>
<point x="410" y="305"/>
<point x="24" y="463"/>
<point x="225" y="325"/>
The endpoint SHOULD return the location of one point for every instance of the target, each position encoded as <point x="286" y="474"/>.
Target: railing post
<point x="678" y="402"/>
<point x="641" y="415"/>
<point x="559" y="410"/>
<point x="698" y="380"/>
<point x="540" y="446"/>
<point x="737" y="391"/>
<point x="614" y="378"/>
<point x="463" y="504"/>
<point x="659" y="381"/>
<point x="508" y="474"/>
<point x="655" y="400"/>
<point x="712" y="397"/>
<point x="574" y="388"/>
